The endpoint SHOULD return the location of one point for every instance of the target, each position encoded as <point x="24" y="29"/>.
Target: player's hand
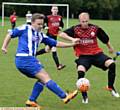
<point x="4" y="50"/>
<point x="111" y="50"/>
<point x="76" y="41"/>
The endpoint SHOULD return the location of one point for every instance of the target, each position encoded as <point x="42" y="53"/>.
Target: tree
<point x="107" y="7"/>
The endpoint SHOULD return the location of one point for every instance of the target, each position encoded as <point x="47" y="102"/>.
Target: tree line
<point x="98" y="9"/>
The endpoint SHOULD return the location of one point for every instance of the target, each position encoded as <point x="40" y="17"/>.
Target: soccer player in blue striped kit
<point x="30" y="36"/>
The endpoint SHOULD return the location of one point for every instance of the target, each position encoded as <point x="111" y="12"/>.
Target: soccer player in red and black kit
<point x="13" y="19"/>
<point x="54" y="25"/>
<point x="89" y="53"/>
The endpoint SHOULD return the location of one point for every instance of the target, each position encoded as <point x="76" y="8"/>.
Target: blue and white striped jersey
<point x="29" y="39"/>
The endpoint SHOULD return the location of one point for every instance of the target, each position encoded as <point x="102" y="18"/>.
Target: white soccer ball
<point x="83" y="84"/>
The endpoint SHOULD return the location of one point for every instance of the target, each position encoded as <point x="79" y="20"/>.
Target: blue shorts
<point x="28" y="65"/>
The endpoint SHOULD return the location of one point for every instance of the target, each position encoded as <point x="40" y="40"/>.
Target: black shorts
<point x="97" y="60"/>
<point x="13" y="25"/>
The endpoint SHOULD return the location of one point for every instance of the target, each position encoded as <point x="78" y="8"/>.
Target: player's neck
<point x="54" y="14"/>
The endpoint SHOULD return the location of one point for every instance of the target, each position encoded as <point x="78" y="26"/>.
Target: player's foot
<point x="32" y="104"/>
<point x="70" y="96"/>
<point x="113" y="92"/>
<point x="85" y="100"/>
<point x="85" y="97"/>
<point x="61" y="66"/>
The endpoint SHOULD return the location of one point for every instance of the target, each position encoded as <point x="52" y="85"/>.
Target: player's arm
<point x="53" y="43"/>
<point x="105" y="39"/>
<point x="65" y="45"/>
<point x="68" y="35"/>
<point x="110" y="47"/>
<point x="12" y="34"/>
<point x="5" y="43"/>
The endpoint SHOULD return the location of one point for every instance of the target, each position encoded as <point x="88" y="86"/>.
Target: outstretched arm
<point x="105" y="39"/>
<point x="53" y="43"/>
<point x="5" y="43"/>
<point x="65" y="45"/>
<point x="111" y="49"/>
<point x="65" y="36"/>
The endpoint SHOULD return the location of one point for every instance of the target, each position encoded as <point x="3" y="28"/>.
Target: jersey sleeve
<point x="70" y="31"/>
<point x="17" y="31"/>
<point x="49" y="41"/>
<point x="102" y="36"/>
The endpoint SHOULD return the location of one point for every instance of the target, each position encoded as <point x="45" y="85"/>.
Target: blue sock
<point x="37" y="89"/>
<point x="51" y="85"/>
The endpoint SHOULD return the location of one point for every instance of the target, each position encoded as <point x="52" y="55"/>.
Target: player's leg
<point x="81" y="74"/>
<point x="111" y="76"/>
<point x="55" y="58"/>
<point x="83" y="64"/>
<point x="104" y="62"/>
<point x="53" y="86"/>
<point x="29" y="66"/>
<point x="13" y="25"/>
<point x="32" y="68"/>
<point x="37" y="89"/>
<point x="44" y="50"/>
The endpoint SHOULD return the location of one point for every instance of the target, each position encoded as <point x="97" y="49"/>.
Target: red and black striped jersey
<point x="88" y="39"/>
<point x="53" y="23"/>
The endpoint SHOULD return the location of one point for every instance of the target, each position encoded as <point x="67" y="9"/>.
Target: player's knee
<point x="47" y="49"/>
<point x="53" y="49"/>
<point x="81" y="68"/>
<point x="81" y="74"/>
<point x="112" y="67"/>
<point x="108" y="62"/>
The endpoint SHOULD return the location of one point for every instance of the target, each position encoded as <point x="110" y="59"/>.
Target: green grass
<point x="15" y="88"/>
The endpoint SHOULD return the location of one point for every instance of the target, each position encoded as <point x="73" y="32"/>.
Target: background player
<point x="28" y="17"/>
<point x="13" y="19"/>
<point x="54" y="25"/>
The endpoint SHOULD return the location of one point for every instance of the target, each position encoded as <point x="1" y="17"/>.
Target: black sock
<point x="111" y="75"/>
<point x="42" y="51"/>
<point x="81" y="74"/>
<point x="55" y="57"/>
<point x="84" y="94"/>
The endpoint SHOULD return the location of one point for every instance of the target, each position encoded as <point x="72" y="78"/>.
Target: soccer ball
<point x="83" y="84"/>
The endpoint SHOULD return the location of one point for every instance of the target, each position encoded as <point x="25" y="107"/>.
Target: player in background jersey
<point x="89" y="53"/>
<point x="30" y="36"/>
<point x="13" y="19"/>
<point x="54" y="24"/>
<point x="28" y="17"/>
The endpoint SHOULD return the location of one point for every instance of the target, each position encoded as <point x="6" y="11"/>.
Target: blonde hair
<point x="37" y="16"/>
<point x="84" y="14"/>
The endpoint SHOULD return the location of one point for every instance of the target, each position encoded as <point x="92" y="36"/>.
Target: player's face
<point x="38" y="24"/>
<point x="54" y="10"/>
<point x="14" y="13"/>
<point x="84" y="21"/>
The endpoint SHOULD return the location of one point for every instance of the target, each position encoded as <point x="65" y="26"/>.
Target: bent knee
<point x="109" y="62"/>
<point x="53" y="49"/>
<point x="47" y="49"/>
<point x="81" y="68"/>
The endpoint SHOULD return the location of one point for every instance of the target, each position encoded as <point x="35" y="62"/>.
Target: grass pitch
<point x="15" y="87"/>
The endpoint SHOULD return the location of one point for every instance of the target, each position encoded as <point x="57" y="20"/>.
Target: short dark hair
<point x="37" y="16"/>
